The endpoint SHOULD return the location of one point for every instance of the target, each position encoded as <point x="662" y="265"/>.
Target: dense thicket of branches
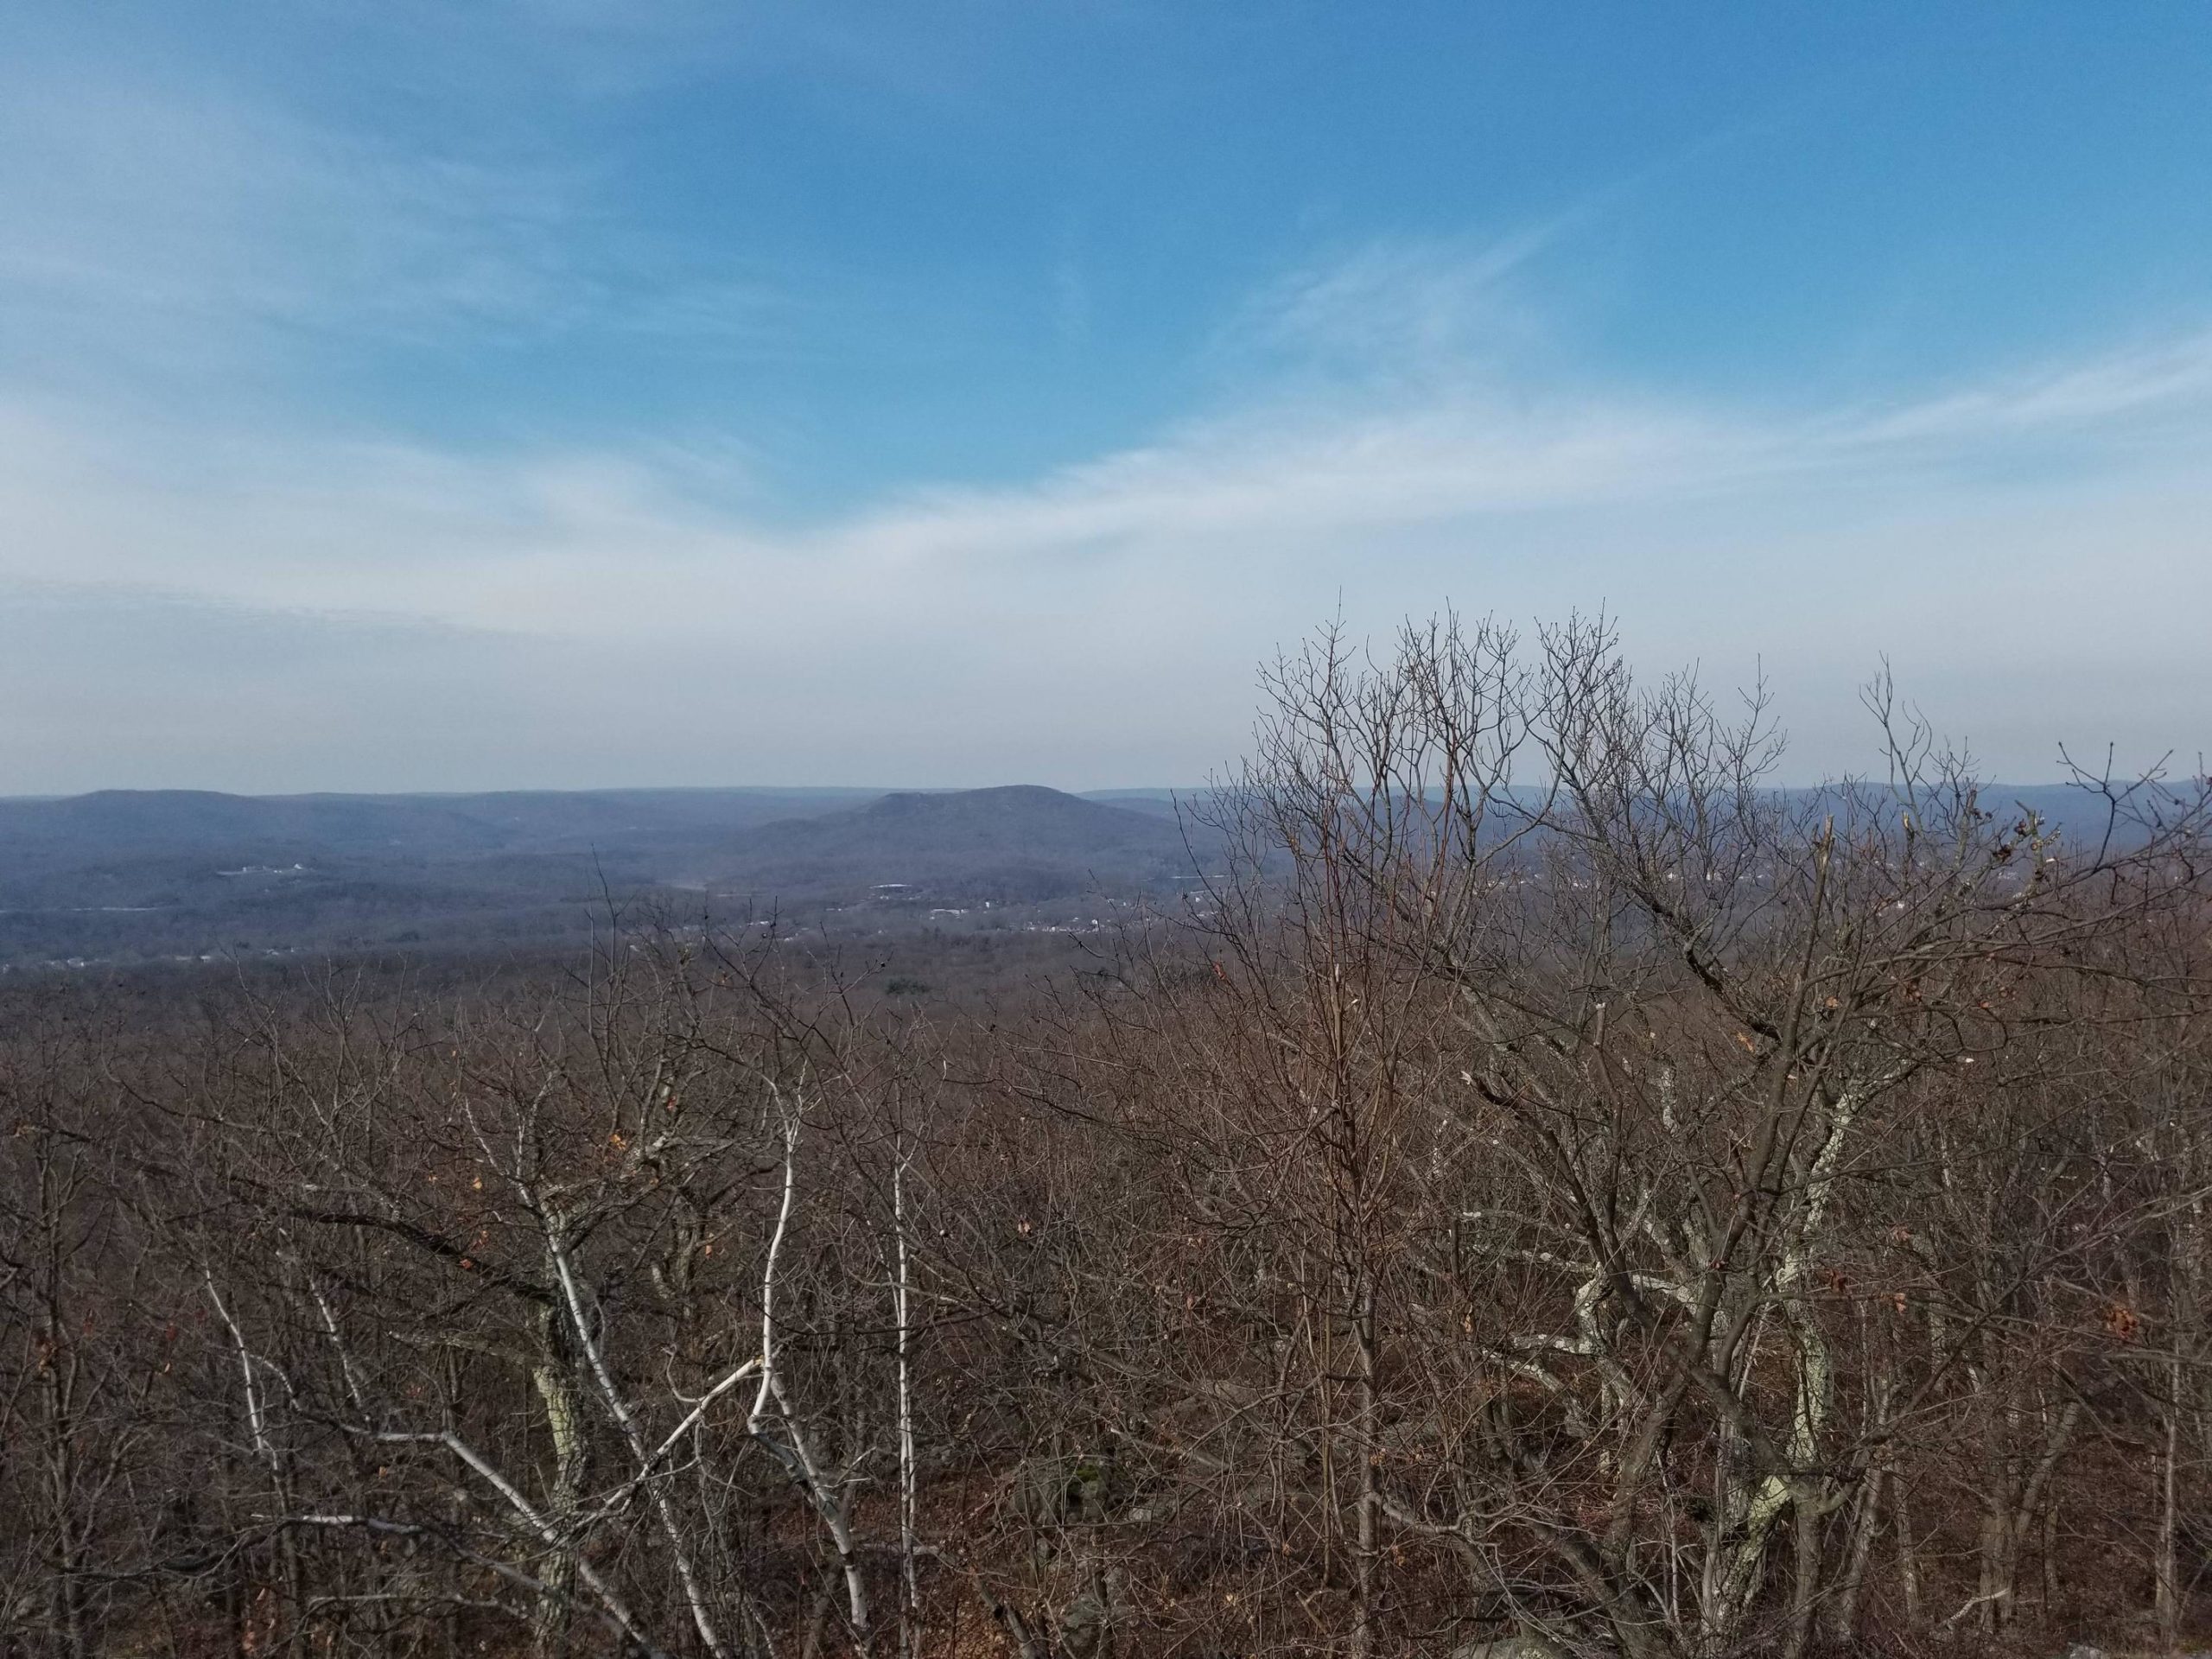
<point x="1560" y="1189"/>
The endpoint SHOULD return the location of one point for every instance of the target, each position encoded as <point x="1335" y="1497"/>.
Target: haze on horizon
<point x="560" y="393"/>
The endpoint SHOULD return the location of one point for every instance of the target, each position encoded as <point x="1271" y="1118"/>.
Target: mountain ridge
<point x="180" y="873"/>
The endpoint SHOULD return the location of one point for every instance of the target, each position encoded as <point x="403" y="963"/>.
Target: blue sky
<point x="562" y="392"/>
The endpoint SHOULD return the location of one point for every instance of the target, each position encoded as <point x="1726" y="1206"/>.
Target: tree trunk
<point x="1362" y="1641"/>
<point x="556" y="1390"/>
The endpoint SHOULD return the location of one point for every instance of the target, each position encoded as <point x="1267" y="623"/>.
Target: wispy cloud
<point x="1464" y="451"/>
<point x="129" y="205"/>
<point x="180" y="236"/>
<point x="572" y="541"/>
<point x="1380" y="434"/>
<point x="1396" y="310"/>
<point x="258" y="317"/>
<point x="2159" y="380"/>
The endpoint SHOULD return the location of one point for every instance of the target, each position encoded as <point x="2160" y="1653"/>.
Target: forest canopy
<point x="1542" y="1183"/>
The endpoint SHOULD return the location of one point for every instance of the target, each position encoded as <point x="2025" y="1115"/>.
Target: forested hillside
<point x="1550" y="1188"/>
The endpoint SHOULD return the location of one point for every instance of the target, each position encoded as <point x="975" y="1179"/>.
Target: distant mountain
<point x="84" y="828"/>
<point x="38" y="836"/>
<point x="166" y="873"/>
<point x="124" y="874"/>
<point x="1017" y="843"/>
<point x="1173" y="804"/>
